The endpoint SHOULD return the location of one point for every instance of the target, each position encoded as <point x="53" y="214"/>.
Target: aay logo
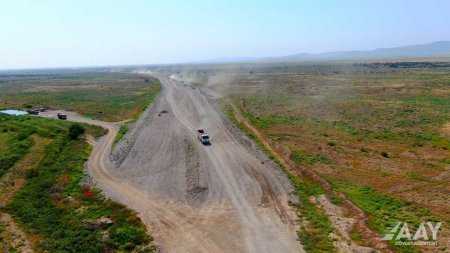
<point x="420" y="237"/>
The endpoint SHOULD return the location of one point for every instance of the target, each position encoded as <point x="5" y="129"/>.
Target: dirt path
<point x="194" y="198"/>
<point x="13" y="236"/>
<point x="10" y="183"/>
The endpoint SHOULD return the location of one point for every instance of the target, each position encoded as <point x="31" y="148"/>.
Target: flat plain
<point x="104" y="95"/>
<point x="375" y="132"/>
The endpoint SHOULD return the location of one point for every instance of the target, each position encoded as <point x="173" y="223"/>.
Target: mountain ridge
<point x="433" y="49"/>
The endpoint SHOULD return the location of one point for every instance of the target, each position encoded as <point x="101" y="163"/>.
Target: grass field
<point x="104" y="95"/>
<point x="45" y="197"/>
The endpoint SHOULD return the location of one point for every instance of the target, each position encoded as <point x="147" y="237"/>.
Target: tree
<point x="75" y="130"/>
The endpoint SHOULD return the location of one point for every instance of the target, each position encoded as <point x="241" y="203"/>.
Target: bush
<point x="32" y="173"/>
<point x="331" y="143"/>
<point x="75" y="130"/>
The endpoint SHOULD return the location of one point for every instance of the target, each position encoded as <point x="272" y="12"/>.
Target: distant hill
<point x="435" y="49"/>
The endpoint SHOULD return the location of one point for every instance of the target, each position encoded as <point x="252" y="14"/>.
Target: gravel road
<point x="194" y="198"/>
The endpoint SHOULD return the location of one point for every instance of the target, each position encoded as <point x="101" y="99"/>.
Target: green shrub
<point x="122" y="131"/>
<point x="336" y="200"/>
<point x="75" y="130"/>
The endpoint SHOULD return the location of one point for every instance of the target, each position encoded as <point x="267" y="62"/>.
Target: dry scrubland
<point x="379" y="133"/>
<point x="379" y="127"/>
<point x="96" y="94"/>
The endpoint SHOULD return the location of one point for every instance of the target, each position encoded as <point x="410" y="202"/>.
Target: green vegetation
<point x="309" y="159"/>
<point x="336" y="200"/>
<point x="414" y="175"/>
<point x="15" y="147"/>
<point x="54" y="207"/>
<point x="315" y="226"/>
<point x="384" y="211"/>
<point x="75" y="130"/>
<point x="16" y="134"/>
<point x="98" y="94"/>
<point x="356" y="237"/>
<point x="122" y="131"/>
<point x="265" y="122"/>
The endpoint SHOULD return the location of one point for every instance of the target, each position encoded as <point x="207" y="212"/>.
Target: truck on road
<point x="203" y="137"/>
<point x="62" y="116"/>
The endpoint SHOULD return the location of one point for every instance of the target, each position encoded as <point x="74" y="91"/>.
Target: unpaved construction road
<point x="194" y="198"/>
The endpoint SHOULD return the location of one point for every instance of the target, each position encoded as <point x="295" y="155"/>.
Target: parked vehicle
<point x="203" y="137"/>
<point x="62" y="116"/>
<point x="33" y="112"/>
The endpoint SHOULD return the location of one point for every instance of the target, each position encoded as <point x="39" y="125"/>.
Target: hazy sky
<point x="56" y="33"/>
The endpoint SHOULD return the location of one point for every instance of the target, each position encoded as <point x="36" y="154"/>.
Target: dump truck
<point x="62" y="116"/>
<point x="203" y="136"/>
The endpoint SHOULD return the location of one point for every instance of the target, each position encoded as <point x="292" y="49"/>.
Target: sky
<point x="63" y="33"/>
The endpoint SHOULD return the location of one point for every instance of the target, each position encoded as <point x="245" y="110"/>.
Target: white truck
<point x="203" y="137"/>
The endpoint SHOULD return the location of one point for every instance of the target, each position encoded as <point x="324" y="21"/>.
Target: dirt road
<point x="194" y="198"/>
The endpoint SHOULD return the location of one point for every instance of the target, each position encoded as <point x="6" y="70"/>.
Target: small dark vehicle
<point x="62" y="116"/>
<point x="33" y="112"/>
